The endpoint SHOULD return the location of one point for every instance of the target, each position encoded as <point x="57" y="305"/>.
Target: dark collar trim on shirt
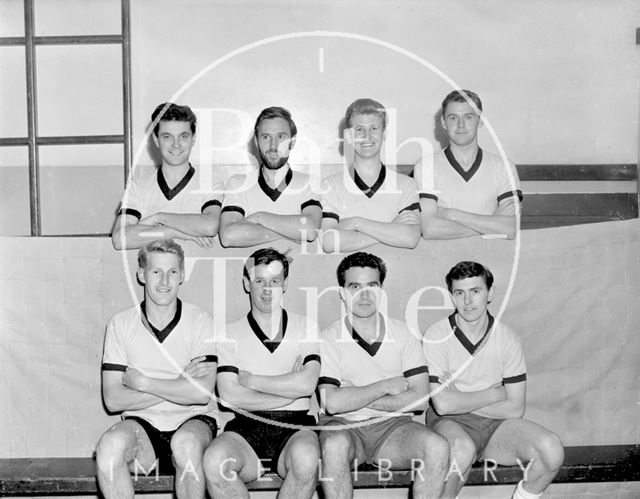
<point x="370" y="348"/>
<point x="466" y="343"/>
<point x="171" y="193"/>
<point x="366" y="190"/>
<point x="274" y="194"/>
<point x="161" y="335"/>
<point x="466" y="175"/>
<point x="270" y="344"/>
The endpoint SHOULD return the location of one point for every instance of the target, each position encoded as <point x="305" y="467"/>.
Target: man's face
<point x="175" y="141"/>
<point x="361" y="291"/>
<point x="274" y="141"/>
<point x="368" y="134"/>
<point x="266" y="286"/>
<point x="161" y="277"/>
<point x="471" y="297"/>
<point x="461" y="123"/>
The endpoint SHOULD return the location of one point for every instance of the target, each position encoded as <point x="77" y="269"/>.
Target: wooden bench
<point x="561" y="209"/>
<point x="77" y="476"/>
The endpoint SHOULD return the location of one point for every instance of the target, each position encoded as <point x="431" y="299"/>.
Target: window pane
<point x="77" y="17"/>
<point x="13" y="92"/>
<point x="12" y="18"/>
<point x="80" y="188"/>
<point x="79" y="90"/>
<point x="14" y="192"/>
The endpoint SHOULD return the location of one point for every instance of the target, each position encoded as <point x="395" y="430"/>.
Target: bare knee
<point x="111" y="448"/>
<point x="435" y="450"/>
<point x="187" y="449"/>
<point x="303" y="456"/>
<point x="336" y="446"/>
<point x="550" y="451"/>
<point x="463" y="453"/>
<point x="218" y="465"/>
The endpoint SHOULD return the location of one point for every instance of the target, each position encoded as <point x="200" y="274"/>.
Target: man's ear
<point x="443" y="123"/>
<point x="141" y="275"/>
<point x="245" y="284"/>
<point x="285" y="283"/>
<point x="292" y="142"/>
<point x="491" y="295"/>
<point x="181" y="276"/>
<point x="348" y="135"/>
<point x="341" y="293"/>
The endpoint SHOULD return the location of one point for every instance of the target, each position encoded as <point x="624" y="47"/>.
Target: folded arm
<point x="415" y="398"/>
<point x="234" y="394"/>
<point x="451" y="401"/>
<point x="336" y="240"/>
<point x="118" y="398"/>
<point x="297" y="228"/>
<point x="194" y="224"/>
<point x="436" y="227"/>
<point x="402" y="232"/>
<point x="137" y="234"/>
<point x="511" y="407"/>
<point x="236" y="231"/>
<point x="293" y="385"/>
<point x="502" y="221"/>
<point x="347" y="397"/>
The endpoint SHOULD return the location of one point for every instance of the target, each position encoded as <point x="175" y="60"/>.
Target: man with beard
<point x="169" y="203"/>
<point x="368" y="203"/>
<point x="274" y="202"/>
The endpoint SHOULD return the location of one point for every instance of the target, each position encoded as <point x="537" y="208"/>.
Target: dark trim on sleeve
<point x="326" y="380"/>
<point x="228" y="369"/>
<point x="310" y="202"/>
<point x="130" y="211"/>
<point x="434" y="379"/>
<point x="411" y="207"/>
<point x="233" y="208"/>
<point x="311" y="357"/>
<point x="210" y="358"/>
<point x="424" y="195"/>
<point x="113" y="367"/>
<point x="211" y="202"/>
<point x="515" y="379"/>
<point x="329" y="214"/>
<point x="415" y="371"/>
<point x="509" y="194"/>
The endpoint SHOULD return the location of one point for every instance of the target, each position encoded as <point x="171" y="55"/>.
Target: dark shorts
<point x="161" y="440"/>
<point x="268" y="439"/>
<point x="477" y="427"/>
<point x="372" y="435"/>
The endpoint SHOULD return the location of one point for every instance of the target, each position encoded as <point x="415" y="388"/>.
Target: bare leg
<point x="339" y="449"/>
<point x="518" y="441"/>
<point x="229" y="462"/>
<point x="187" y="447"/>
<point x="122" y="448"/>
<point x="298" y="465"/>
<point x="462" y="452"/>
<point x="413" y="446"/>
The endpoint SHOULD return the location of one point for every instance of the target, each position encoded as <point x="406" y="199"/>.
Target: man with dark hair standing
<point x="478" y="378"/>
<point x="274" y="202"/>
<point x="465" y="190"/>
<point x="169" y="203"/>
<point x="268" y="370"/>
<point x="373" y="378"/>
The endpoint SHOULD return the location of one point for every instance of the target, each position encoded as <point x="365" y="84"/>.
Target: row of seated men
<point x="370" y="372"/>
<point x="460" y="191"/>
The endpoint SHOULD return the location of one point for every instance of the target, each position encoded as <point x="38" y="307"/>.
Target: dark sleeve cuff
<point x="326" y="380"/>
<point x="434" y="379"/>
<point x="415" y="371"/>
<point x="411" y="207"/>
<point x="509" y="194"/>
<point x="311" y="357"/>
<point x="113" y="367"/>
<point x="130" y="211"/>
<point x="228" y="369"/>
<point x="328" y="214"/>
<point x="310" y="202"/>
<point x="211" y="202"/>
<point x="210" y="358"/>
<point x="515" y="379"/>
<point x="424" y="195"/>
<point x="233" y="208"/>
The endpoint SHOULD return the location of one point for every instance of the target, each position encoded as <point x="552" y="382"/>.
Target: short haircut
<point x="276" y="112"/>
<point x="365" y="106"/>
<point x="266" y="256"/>
<point x="174" y="112"/>
<point x="465" y="270"/>
<point x="361" y="259"/>
<point x="459" y="96"/>
<point x="160" y="246"/>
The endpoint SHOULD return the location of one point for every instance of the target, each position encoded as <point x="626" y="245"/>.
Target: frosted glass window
<point x="12" y="18"/>
<point x="13" y="92"/>
<point x="80" y="188"/>
<point x="14" y="192"/>
<point x="79" y="90"/>
<point x="77" y="17"/>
